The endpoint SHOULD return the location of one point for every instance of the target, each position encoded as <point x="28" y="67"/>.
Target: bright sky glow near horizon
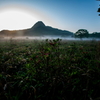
<point x="68" y="15"/>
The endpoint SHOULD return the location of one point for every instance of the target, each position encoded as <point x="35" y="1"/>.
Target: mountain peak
<point x="39" y="24"/>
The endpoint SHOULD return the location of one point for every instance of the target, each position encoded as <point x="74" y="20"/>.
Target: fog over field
<point x="48" y="37"/>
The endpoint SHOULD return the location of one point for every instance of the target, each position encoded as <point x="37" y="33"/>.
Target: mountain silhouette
<point x="39" y="24"/>
<point x="38" y="29"/>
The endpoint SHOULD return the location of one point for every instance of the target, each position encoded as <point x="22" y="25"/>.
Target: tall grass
<point x="49" y="70"/>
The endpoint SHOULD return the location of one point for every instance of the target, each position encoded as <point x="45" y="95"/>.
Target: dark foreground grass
<point x="49" y="70"/>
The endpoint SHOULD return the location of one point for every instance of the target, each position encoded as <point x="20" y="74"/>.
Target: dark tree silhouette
<point x="98" y="8"/>
<point x="82" y="33"/>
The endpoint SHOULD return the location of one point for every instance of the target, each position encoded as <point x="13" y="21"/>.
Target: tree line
<point x="83" y="33"/>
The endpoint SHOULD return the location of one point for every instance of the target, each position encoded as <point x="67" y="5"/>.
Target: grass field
<point x="49" y="70"/>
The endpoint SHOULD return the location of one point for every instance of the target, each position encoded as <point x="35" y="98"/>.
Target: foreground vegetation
<point x="49" y="70"/>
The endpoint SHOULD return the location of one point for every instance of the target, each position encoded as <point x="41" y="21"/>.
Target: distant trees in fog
<point x="95" y="35"/>
<point x="82" y="33"/>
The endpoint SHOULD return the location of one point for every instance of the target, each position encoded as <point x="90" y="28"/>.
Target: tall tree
<point x="82" y="33"/>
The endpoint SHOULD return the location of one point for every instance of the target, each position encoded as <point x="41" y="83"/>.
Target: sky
<point x="68" y="15"/>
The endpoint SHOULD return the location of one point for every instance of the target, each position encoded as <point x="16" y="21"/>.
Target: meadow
<point x="49" y="70"/>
